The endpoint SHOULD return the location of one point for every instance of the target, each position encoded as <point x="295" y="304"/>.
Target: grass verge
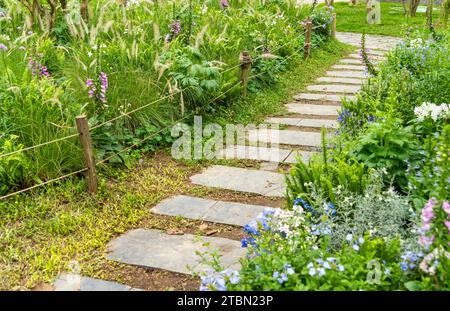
<point x="393" y="20"/>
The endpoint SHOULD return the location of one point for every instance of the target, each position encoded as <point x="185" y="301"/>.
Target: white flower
<point x="431" y="110"/>
<point x="349" y="237"/>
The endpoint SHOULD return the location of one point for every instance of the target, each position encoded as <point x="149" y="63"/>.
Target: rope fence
<point x="84" y="129"/>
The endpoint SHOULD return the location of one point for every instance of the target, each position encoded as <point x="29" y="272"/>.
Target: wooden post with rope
<point x="307" y="47"/>
<point x="88" y="154"/>
<point x="246" y="65"/>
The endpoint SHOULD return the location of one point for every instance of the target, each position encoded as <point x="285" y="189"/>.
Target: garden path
<point x="307" y="114"/>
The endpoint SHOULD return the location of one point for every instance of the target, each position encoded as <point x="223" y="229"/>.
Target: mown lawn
<point x="393" y="20"/>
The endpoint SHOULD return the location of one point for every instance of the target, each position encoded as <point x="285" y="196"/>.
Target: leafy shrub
<point x="382" y="212"/>
<point x="387" y="145"/>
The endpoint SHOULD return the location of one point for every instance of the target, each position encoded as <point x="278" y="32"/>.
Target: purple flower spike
<point x="224" y="4"/>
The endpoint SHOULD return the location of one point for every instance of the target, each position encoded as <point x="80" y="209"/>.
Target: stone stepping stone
<point x="287" y="137"/>
<point x="374" y="57"/>
<point x="349" y="67"/>
<point x="155" y="249"/>
<point x="376" y="53"/>
<point x="315" y="110"/>
<point x="351" y="61"/>
<point x="315" y="123"/>
<point x="258" y="153"/>
<point x="242" y="179"/>
<point x="323" y="98"/>
<point x="346" y="74"/>
<point x="229" y="213"/>
<point x="341" y="80"/>
<point x="299" y="154"/>
<point x="335" y="88"/>
<point x="75" y="282"/>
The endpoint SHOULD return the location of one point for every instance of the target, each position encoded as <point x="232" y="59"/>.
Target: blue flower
<point x="244" y="242"/>
<point x="289" y="269"/>
<point x="356" y="247"/>
<point x="404" y="266"/>
<point x="312" y="272"/>
<point x="321" y="271"/>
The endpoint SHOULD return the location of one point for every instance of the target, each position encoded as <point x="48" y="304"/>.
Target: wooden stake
<point x="86" y="145"/>
<point x="307" y="47"/>
<point x="333" y="26"/>
<point x="246" y="64"/>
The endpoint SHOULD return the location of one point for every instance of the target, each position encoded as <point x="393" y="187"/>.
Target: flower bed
<point x="372" y="211"/>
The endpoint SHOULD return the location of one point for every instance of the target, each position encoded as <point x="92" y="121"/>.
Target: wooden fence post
<point x="246" y="64"/>
<point x="333" y="26"/>
<point x="86" y="145"/>
<point x="307" y="47"/>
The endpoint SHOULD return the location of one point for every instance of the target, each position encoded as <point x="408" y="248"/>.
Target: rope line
<point x="42" y="184"/>
<point x="37" y="146"/>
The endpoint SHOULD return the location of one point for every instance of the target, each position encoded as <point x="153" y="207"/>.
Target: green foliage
<point x="184" y="51"/>
<point x="13" y="168"/>
<point x="387" y="145"/>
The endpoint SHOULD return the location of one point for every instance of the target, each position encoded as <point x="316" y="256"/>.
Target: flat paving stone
<point x="315" y="110"/>
<point x="335" y="88"/>
<point x="304" y="155"/>
<point x="346" y="74"/>
<point x="325" y="98"/>
<point x="341" y="80"/>
<point x="229" y="213"/>
<point x="349" y="67"/>
<point x="376" y="53"/>
<point x="259" y="153"/>
<point x="155" y="249"/>
<point x="351" y="61"/>
<point x="314" y="123"/>
<point x="269" y="166"/>
<point x="242" y="179"/>
<point x="287" y="137"/>
<point x="75" y="282"/>
<point x="375" y="57"/>
<point x="299" y="154"/>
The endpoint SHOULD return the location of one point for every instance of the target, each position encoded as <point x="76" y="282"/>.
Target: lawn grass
<point x="393" y="20"/>
<point x="42" y="232"/>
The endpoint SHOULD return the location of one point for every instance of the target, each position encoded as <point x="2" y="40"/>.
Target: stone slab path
<point x="75" y="282"/>
<point x="242" y="179"/>
<point x="229" y="213"/>
<point x="176" y="253"/>
<point x="307" y="112"/>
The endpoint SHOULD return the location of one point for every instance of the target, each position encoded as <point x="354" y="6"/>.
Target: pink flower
<point x="446" y="207"/>
<point x="447" y="224"/>
<point x="426" y="241"/>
